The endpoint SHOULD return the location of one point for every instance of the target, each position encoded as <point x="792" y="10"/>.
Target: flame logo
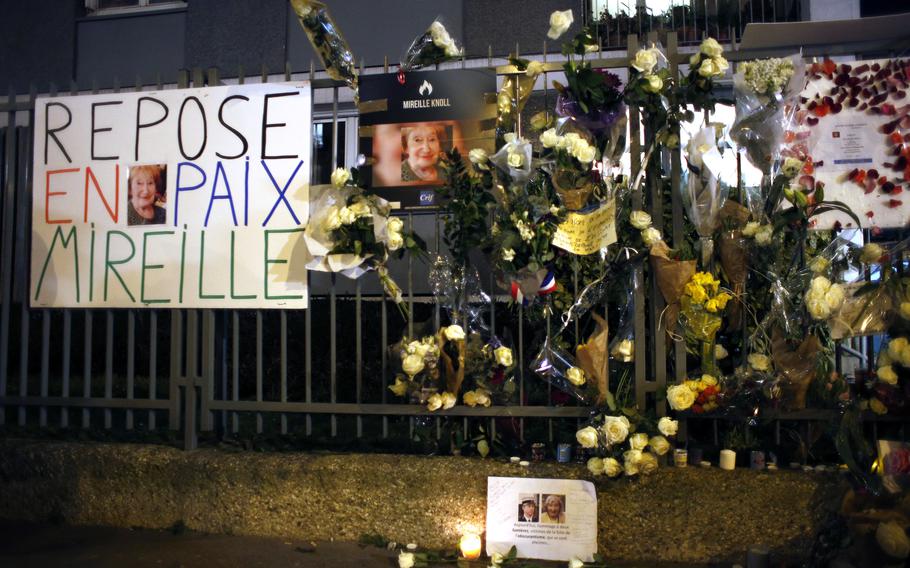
<point x="425" y="89"/>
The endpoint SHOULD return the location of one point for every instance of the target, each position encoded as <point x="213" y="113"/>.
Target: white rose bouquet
<point x="352" y="233"/>
<point x="420" y="376"/>
<point x="433" y="46"/>
<point x="327" y="41"/>
<point x="572" y="156"/>
<point x="622" y="443"/>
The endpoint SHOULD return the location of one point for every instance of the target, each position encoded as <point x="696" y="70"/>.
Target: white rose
<point x="650" y="236"/>
<point x="668" y="426"/>
<point x="340" y="177"/>
<point x="638" y="441"/>
<point x="412" y="364"/>
<point x="659" y="445"/>
<point x="892" y="538"/>
<point x="503" y="356"/>
<point x="395" y="241"/>
<point x="680" y="397"/>
<point x="711" y="48"/>
<point x="632" y="459"/>
<point x="469" y="398"/>
<point x="479" y="158"/>
<point x="510" y="137"/>
<point x="751" y="228"/>
<point x="406" y="560"/>
<point x="835" y="297"/>
<point x="448" y="400"/>
<point x="647" y="464"/>
<point x="394" y="225"/>
<point x="708" y="69"/>
<point x="764" y="235"/>
<point x="791" y="167"/>
<point x="640" y="220"/>
<point x="497" y="559"/>
<point x="361" y="209"/>
<point x="347" y="216"/>
<point x="549" y="138"/>
<point x="559" y="23"/>
<point x="586" y="154"/>
<point x="759" y="362"/>
<point x="819" y="284"/>
<point x="434" y="402"/>
<point x="612" y="467"/>
<point x="576" y="563"/>
<point x="818" y="308"/>
<point x="534" y="69"/>
<point x="508" y="254"/>
<point x="871" y="254"/>
<point x="654" y="83"/>
<point x="616" y="429"/>
<point x="645" y="60"/>
<point x="596" y="466"/>
<point x="887" y="375"/>
<point x="587" y="437"/>
<point x="399" y="388"/>
<point x="454" y="332"/>
<point x="720" y="352"/>
<point x="332" y="219"/>
<point x="482" y="398"/>
<point x="576" y="376"/>
<point x="515" y="160"/>
<point x="624" y="350"/>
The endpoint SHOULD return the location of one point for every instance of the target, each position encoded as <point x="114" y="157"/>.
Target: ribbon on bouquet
<point x="547" y="286"/>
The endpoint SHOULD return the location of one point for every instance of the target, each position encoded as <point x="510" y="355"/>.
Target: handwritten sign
<point x="548" y="519"/>
<point x="178" y="198"/>
<point x="587" y="233"/>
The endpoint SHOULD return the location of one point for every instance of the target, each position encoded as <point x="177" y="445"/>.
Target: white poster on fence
<point x="190" y="198"/>
<point x="548" y="519"/>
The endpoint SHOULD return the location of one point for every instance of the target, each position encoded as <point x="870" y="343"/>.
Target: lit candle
<point x="727" y="459"/>
<point x="470" y="546"/>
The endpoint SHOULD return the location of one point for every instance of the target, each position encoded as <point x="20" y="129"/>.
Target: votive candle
<point x="470" y="546"/>
<point x="727" y="460"/>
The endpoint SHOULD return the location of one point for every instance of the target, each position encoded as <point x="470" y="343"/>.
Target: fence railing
<point x="320" y="372"/>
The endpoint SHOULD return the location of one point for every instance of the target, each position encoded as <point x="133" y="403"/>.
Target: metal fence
<point x="319" y="372"/>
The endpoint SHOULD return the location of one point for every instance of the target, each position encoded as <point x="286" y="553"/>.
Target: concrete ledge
<point x="680" y="515"/>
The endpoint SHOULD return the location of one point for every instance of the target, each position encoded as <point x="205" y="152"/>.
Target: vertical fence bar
<point x="679" y="347"/>
<point x="637" y="203"/>
<point x="65" y="366"/>
<point x="283" y="371"/>
<point x="333" y="307"/>
<point x="259" y="368"/>
<point x="358" y="354"/>
<point x="235" y="368"/>
<point x="130" y="363"/>
<point x="22" y="224"/>
<point x="153" y="364"/>
<point x="108" y="365"/>
<point x="6" y="247"/>
<point x="87" y="365"/>
<point x="45" y="363"/>
<point x="189" y="380"/>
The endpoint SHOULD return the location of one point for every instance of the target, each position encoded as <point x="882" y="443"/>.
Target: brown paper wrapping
<point x="454" y="376"/>
<point x="796" y="366"/>
<point x="732" y="251"/>
<point x="593" y="358"/>
<point x="671" y="276"/>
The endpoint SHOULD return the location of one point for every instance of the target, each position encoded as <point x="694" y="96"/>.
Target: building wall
<point x="501" y="24"/>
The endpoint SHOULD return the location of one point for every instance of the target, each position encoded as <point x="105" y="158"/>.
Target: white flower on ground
<point x="340" y="177"/>
<point x="641" y="220"/>
<point x="587" y="437"/>
<point x="576" y="563"/>
<point x="631" y="461"/>
<point x="559" y="23"/>
<point x="406" y="560"/>
<point x="596" y="466"/>
<point x="668" y="426"/>
<point x="659" y="445"/>
<point x="638" y="441"/>
<point x="616" y="429"/>
<point x="647" y="464"/>
<point x="612" y="467"/>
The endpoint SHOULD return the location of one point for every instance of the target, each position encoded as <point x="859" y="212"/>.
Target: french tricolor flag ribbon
<point x="517" y="296"/>
<point x="548" y="286"/>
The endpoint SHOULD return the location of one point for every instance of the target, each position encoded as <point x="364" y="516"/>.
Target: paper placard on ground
<point x="540" y="531"/>
<point x="587" y="233"/>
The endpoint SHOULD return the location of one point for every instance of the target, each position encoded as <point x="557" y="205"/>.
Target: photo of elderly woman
<point x="410" y="153"/>
<point x="147" y="194"/>
<point x="553" y="511"/>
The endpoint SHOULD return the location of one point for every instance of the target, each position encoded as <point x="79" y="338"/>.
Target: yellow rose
<point x="680" y="397"/>
<point x="896" y="347"/>
<point x="587" y="437"/>
<point x="412" y="364"/>
<point x="638" y="441"/>
<point x="434" y="402"/>
<point x="647" y="464"/>
<point x="711" y="305"/>
<point x="399" y="388"/>
<point x="892" y="538"/>
<point x="650" y="236"/>
<point x="482" y="396"/>
<point x="596" y="466"/>
<point x="612" y="467"/>
<point x="454" y="332"/>
<point x="469" y="398"/>
<point x="709" y="380"/>
<point x="692" y="385"/>
<point x="887" y="375"/>
<point x="659" y="445"/>
<point x="631" y="459"/>
<point x="448" y="400"/>
<point x="905" y="310"/>
<point x="696" y="292"/>
<point x="575" y="376"/>
<point x="503" y="356"/>
<point x="878" y="407"/>
<point x="722" y="300"/>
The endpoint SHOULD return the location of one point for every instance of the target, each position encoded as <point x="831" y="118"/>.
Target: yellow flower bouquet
<point x="701" y="313"/>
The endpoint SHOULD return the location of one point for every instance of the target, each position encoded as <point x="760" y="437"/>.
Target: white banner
<point x="191" y="198"/>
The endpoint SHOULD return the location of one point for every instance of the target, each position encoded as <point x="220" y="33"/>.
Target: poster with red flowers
<point x="853" y="131"/>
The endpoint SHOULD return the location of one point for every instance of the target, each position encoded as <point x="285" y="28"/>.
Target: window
<point x="106" y="7"/>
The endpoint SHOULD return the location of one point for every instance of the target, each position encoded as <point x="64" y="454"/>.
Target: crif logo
<point x="426" y="89"/>
<point x="427" y="197"/>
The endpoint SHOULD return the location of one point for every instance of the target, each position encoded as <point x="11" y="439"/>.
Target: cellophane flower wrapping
<point x="704" y="195"/>
<point x="561" y="370"/>
<point x="622" y="346"/>
<point x="767" y="93"/>
<point x="435" y="45"/>
<point x="327" y="41"/>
